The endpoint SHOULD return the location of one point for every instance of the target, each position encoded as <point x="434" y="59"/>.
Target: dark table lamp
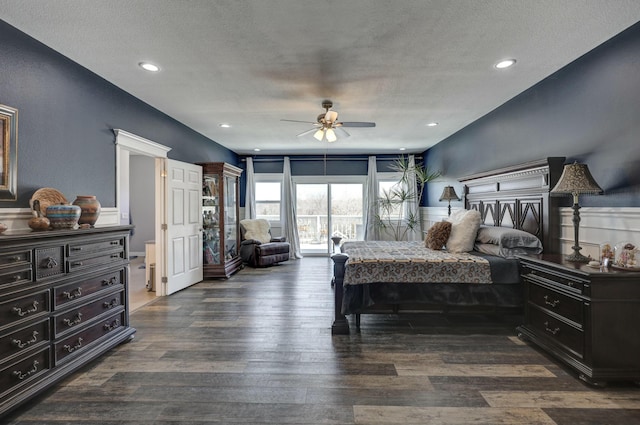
<point x="575" y="180"/>
<point x="449" y="193"/>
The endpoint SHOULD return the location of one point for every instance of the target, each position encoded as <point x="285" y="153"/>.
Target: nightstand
<point x="588" y="318"/>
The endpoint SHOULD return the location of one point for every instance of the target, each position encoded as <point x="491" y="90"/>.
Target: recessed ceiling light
<point x="256" y="150"/>
<point x="403" y="149"/>
<point x="224" y="125"/>
<point x="432" y="124"/>
<point x="505" y="63"/>
<point x="148" y="66"/>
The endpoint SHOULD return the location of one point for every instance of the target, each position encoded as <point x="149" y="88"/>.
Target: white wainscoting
<point x="17" y="218"/>
<point x="597" y="225"/>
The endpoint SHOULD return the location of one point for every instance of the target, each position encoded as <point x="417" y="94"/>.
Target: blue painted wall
<point x="66" y="117"/>
<point x="589" y="112"/>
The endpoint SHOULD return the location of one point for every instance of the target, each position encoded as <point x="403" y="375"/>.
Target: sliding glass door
<point x="325" y="210"/>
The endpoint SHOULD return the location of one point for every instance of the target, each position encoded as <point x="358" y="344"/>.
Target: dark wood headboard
<point x="518" y="197"/>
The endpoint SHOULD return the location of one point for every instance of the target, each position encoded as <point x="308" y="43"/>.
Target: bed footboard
<point x="340" y="324"/>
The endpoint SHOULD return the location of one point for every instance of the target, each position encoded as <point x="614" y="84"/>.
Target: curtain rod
<point x="322" y="158"/>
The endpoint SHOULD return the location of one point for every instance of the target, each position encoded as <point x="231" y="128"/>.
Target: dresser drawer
<point x="65" y="294"/>
<point x="571" y="283"/>
<point x="24" y="307"/>
<point x="49" y="262"/>
<point x="23" y="371"/>
<point x="15" y="275"/>
<point x="561" y="333"/>
<point x="77" y="317"/>
<point x="82" y="249"/>
<point x="24" y="339"/>
<point x="78" y="264"/>
<point x="566" y="306"/>
<point x="8" y="259"/>
<point x="82" y="340"/>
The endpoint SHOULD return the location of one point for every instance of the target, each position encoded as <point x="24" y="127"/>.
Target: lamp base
<point x="578" y="258"/>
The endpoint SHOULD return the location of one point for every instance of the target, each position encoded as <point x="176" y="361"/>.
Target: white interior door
<point x="183" y="194"/>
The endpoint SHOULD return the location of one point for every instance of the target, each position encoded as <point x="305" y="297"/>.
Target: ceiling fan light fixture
<point x="331" y="135"/>
<point x="319" y="135"/>
<point x="331" y="116"/>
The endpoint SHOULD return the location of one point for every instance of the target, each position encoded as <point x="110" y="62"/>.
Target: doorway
<point x="328" y="209"/>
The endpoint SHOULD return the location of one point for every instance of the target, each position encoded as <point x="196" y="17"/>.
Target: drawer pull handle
<point x="76" y="248"/>
<point x="111" y="326"/>
<point x="73" y="322"/>
<point x="551" y="331"/>
<point x="71" y="349"/>
<point x="76" y="293"/>
<point x="22" y="313"/>
<point x="115" y="255"/>
<point x="114" y="303"/>
<point x="553" y="303"/>
<point x="109" y="282"/>
<point x="21" y="376"/>
<point x="17" y="277"/>
<point x="115" y="242"/>
<point x="51" y="263"/>
<point x="77" y="263"/>
<point x="20" y="344"/>
<point x="15" y="258"/>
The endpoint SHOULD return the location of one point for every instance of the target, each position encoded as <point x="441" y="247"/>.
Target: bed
<point x="379" y="276"/>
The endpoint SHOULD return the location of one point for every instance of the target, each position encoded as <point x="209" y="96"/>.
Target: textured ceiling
<point x="250" y="63"/>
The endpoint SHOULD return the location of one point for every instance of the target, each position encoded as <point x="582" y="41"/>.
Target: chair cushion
<point x="257" y="229"/>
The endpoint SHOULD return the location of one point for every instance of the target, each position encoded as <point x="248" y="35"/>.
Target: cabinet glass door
<point x="230" y="222"/>
<point x="211" y="219"/>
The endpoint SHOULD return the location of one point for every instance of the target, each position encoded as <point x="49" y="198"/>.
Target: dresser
<point x="63" y="303"/>
<point x="587" y="318"/>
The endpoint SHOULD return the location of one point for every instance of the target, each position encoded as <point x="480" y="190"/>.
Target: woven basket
<point x="47" y="196"/>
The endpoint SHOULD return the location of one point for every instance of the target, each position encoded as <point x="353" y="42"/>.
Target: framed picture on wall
<point x="8" y="153"/>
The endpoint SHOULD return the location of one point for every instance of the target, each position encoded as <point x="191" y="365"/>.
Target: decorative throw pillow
<point x="508" y="237"/>
<point x="464" y="228"/>
<point x="437" y="235"/>
<point x="257" y="229"/>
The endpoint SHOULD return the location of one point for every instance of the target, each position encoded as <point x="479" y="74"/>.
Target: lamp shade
<point x="449" y="194"/>
<point x="576" y="179"/>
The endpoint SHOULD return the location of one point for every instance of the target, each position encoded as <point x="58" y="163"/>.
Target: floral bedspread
<point x="411" y="262"/>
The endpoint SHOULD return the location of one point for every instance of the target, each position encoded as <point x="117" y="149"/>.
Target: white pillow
<point x="257" y="229"/>
<point x="464" y="229"/>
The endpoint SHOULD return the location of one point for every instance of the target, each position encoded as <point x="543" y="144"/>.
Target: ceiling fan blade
<point x="342" y="132"/>
<point x="306" y="122"/>
<point x="356" y="124"/>
<point x="304" y="133"/>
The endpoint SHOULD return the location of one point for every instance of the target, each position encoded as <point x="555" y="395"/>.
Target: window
<point x="268" y="200"/>
<point x="390" y="206"/>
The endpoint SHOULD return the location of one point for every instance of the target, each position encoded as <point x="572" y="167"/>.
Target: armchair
<point x="258" y="248"/>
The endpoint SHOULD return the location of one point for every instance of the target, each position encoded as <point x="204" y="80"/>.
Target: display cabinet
<point x="220" y="219"/>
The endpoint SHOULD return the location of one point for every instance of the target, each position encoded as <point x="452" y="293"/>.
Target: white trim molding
<point x="139" y="145"/>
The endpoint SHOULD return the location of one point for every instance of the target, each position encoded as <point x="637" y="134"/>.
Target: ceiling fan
<point x="327" y="125"/>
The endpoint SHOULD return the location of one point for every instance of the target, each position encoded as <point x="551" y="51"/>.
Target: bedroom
<point x="587" y="111"/>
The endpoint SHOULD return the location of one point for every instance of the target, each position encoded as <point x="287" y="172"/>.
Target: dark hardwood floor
<point x="257" y="349"/>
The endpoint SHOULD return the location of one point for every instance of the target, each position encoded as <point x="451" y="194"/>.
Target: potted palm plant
<point x="392" y="217"/>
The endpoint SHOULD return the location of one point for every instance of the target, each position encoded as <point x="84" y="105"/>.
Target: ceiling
<point x="251" y="63"/>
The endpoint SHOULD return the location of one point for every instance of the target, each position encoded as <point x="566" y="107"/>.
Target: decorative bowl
<point x="63" y="216"/>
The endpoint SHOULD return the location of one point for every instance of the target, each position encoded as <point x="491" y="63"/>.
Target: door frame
<point x="127" y="144"/>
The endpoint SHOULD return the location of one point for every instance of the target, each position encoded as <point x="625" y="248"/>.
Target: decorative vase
<point x="63" y="216"/>
<point x="90" y="209"/>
